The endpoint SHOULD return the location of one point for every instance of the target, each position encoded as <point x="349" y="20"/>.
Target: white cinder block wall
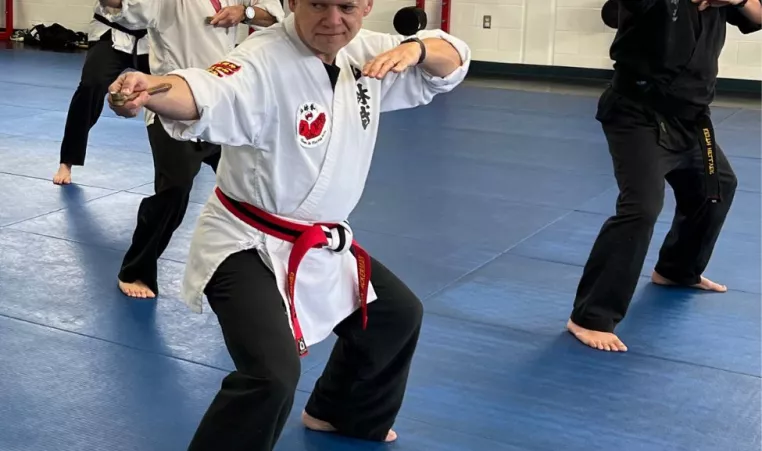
<point x="545" y="32"/>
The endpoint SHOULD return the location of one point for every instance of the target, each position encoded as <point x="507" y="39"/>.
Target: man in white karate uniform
<point x="296" y="109"/>
<point x="182" y="34"/>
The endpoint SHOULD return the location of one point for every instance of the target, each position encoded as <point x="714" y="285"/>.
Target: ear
<point x="368" y="8"/>
<point x="292" y="5"/>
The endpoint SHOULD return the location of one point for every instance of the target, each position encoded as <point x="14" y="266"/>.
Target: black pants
<point x="102" y="66"/>
<point x="361" y="389"/>
<point x="646" y="149"/>
<point x="176" y="164"/>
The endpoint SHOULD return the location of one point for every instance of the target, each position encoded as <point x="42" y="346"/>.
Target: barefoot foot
<point x="604" y="341"/>
<point x="63" y="176"/>
<point x="136" y="289"/>
<point x="323" y="426"/>
<point x="704" y="284"/>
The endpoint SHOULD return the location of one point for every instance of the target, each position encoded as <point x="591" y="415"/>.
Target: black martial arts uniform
<point x="176" y="164"/>
<point x="655" y="116"/>
<point x="362" y="387"/>
<point x="103" y="64"/>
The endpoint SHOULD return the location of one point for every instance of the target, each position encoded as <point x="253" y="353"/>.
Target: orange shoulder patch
<point x="223" y="68"/>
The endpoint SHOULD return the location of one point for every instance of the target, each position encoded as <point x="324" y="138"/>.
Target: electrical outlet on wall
<point x="487" y="22"/>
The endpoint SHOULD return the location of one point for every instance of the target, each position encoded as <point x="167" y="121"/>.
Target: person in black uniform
<point x="655" y="115"/>
<point x="112" y="49"/>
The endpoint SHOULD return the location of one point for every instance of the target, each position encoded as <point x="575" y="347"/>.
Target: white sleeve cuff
<point x="459" y="74"/>
<point x="134" y="15"/>
<point x="187" y="130"/>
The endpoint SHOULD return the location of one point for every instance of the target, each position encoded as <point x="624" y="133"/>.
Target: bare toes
<point x="136" y="289"/>
<point x="603" y="341"/>
<point x="708" y="285"/>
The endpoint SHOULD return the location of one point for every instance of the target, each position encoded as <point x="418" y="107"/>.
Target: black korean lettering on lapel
<point x="362" y="98"/>
<point x="673" y="6"/>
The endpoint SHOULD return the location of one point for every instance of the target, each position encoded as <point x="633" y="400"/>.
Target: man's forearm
<point x="753" y="11"/>
<point x="441" y="57"/>
<point x="262" y="18"/>
<point x="178" y="103"/>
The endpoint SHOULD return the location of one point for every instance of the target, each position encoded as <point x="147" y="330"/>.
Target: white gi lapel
<point x="316" y="124"/>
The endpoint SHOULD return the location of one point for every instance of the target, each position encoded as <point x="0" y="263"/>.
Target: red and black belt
<point x="336" y="237"/>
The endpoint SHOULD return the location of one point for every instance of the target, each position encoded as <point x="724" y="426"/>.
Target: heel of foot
<point x="316" y="425"/>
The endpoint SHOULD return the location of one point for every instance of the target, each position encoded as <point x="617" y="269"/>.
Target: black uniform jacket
<point x="668" y="51"/>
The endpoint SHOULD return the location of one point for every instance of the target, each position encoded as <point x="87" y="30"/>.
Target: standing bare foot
<point x="323" y="426"/>
<point x="704" y="284"/>
<point x="605" y="341"/>
<point x="63" y="176"/>
<point x="136" y="289"/>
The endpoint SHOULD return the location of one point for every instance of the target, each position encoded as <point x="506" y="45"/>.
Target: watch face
<point x="250" y="12"/>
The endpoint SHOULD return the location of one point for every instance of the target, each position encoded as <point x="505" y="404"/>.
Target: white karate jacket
<point x="252" y="104"/>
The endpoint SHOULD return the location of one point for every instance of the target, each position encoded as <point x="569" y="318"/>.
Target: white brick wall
<point x="569" y="33"/>
<point x="546" y="32"/>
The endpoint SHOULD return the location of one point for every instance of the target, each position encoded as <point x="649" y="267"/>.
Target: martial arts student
<point x="112" y="50"/>
<point x="180" y="38"/>
<point x="655" y="116"/>
<point x="296" y="110"/>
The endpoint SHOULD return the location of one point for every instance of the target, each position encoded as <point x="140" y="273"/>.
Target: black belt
<point x="642" y="91"/>
<point x="708" y="143"/>
<point x="137" y="34"/>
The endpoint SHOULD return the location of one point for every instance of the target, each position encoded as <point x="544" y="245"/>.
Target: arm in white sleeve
<point x="232" y="97"/>
<point x="132" y="14"/>
<point x="268" y="12"/>
<point x="271" y="7"/>
<point x="414" y="86"/>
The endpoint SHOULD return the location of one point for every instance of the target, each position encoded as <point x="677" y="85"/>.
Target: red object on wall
<point x="6" y="35"/>
<point x="446" y="16"/>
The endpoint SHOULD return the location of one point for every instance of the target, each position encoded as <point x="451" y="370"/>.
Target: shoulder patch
<point x="223" y="68"/>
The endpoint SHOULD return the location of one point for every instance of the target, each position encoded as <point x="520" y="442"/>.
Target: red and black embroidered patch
<point x="223" y="68"/>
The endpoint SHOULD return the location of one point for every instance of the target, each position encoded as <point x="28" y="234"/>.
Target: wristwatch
<point x="423" y="47"/>
<point x="250" y="13"/>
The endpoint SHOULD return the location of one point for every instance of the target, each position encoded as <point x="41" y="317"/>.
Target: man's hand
<point x="127" y="84"/>
<point x="704" y="4"/>
<point x="396" y="60"/>
<point x="229" y="16"/>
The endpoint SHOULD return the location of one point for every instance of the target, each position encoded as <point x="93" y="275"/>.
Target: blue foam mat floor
<point x="486" y="203"/>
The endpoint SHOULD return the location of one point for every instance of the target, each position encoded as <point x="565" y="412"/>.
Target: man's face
<point x="328" y="25"/>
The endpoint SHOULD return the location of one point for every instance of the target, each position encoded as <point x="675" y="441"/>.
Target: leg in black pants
<point x="362" y="387"/>
<point x="176" y="164"/>
<point x="697" y="224"/>
<point x="102" y="66"/>
<point x="644" y="153"/>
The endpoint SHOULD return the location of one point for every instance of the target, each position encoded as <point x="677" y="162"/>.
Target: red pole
<point x="420" y="4"/>
<point x="6" y="35"/>
<point x="446" y="16"/>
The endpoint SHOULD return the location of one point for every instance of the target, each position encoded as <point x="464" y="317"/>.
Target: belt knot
<point x="340" y="237"/>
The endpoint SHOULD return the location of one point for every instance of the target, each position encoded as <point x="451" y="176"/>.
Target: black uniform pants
<point x="646" y="149"/>
<point x="176" y="164"/>
<point x="361" y="389"/>
<point x="103" y="64"/>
